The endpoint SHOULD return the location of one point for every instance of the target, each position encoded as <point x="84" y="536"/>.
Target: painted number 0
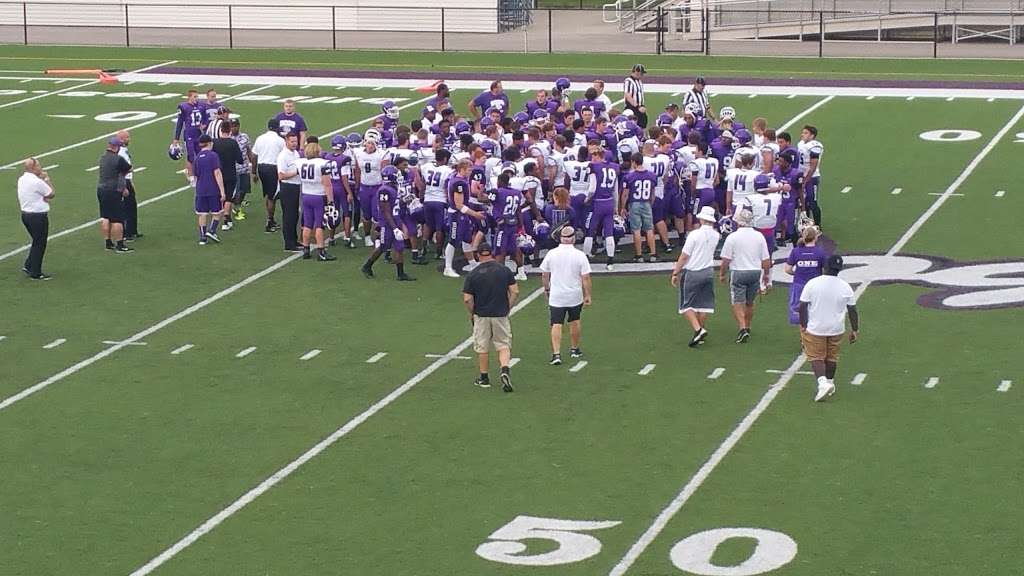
<point x="693" y="555"/>
<point x="572" y="547"/>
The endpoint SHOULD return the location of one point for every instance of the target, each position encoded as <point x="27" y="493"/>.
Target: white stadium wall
<point x="479" y="16"/>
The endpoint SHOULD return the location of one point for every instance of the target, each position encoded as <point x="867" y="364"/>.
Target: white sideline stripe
<point x="129" y="343"/>
<point x="932" y="382"/>
<point x="311" y="354"/>
<point x="77" y="86"/>
<point x="319" y="447"/>
<point x="800" y="372"/>
<point x="146" y="332"/>
<point x="780" y="90"/>
<point x="376" y="357"/>
<point x="941" y="193"/>
<point x="716" y="373"/>
<point x="181" y="349"/>
<point x="55" y="343"/>
<point x="245" y="352"/>
<point x="456" y="358"/>
<point x="846" y="189"/>
<point x="3" y="337"/>
<point x="858" y="379"/>
<point x="579" y="366"/>
<point x="647" y="369"/>
<point x="513" y="362"/>
<point x="719" y="454"/>
<point x="1000" y="193"/>
<point x="51" y="166"/>
<point x="170" y="193"/>
<point x="1004" y="386"/>
<point x="133" y="127"/>
<point x="896" y="191"/>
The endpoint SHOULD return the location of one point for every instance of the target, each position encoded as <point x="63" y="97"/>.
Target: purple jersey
<point x="795" y="152"/>
<point x="487" y="100"/>
<point x="209" y="110"/>
<point x="290" y="123"/>
<point x="722" y="151"/>
<point x="505" y="206"/>
<point x="550" y="106"/>
<point x="205" y="164"/>
<point x="595" y="105"/>
<point x="477" y="175"/>
<point x="640" y="184"/>
<point x="606" y="176"/>
<point x="796" y="180"/>
<point x="190" y="120"/>
<point x="460" y="185"/>
<point x="387" y="193"/>
<point x="807" y="263"/>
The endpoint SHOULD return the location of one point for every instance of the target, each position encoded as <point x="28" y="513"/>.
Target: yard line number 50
<point x="692" y="555"/>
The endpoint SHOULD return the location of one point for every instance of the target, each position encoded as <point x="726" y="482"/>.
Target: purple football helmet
<point x="175" y="152"/>
<point x="390" y="110"/>
<point x="521" y="118"/>
<point x="665" y="119"/>
<point x="338" y="142"/>
<point x="744" y="137"/>
<point x="354" y="139"/>
<point x="540" y="114"/>
<point x="463" y="127"/>
<point x="541" y="229"/>
<point x="390" y="175"/>
<point x="525" y="244"/>
<point x="762" y="182"/>
<point x="488" y="147"/>
<point x="562" y="84"/>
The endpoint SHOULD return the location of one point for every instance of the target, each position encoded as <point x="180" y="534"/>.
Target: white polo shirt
<point x="31" y="193"/>
<point x="827" y="298"/>
<point x="745" y="248"/>
<point x="123" y="153"/>
<point x="287" y="161"/>
<point x="566" y="265"/>
<point x="700" y="247"/>
<point x="267" y="147"/>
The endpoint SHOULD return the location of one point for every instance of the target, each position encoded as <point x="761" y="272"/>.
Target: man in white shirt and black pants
<point x="566" y="276"/>
<point x="290" y="186"/>
<point x="697" y="289"/>
<point x="746" y="252"/>
<point x="131" y="204"/>
<point x="267" y="148"/>
<point x="824" y="305"/>
<point x="34" y="194"/>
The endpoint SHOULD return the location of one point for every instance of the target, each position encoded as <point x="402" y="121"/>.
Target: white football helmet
<point x="727" y="112"/>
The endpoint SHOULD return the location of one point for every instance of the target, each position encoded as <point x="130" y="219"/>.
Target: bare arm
<point x="723" y="268"/>
<point x="677" y="269"/>
<point x="467" y="301"/>
<point x="851" y="309"/>
<point x="803" y="315"/>
<point x="220" y="183"/>
<point x="586" y="289"/>
<point x="513" y="294"/>
<point x="325" y="180"/>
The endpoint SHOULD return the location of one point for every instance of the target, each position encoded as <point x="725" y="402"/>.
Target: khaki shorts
<point x="821" y="348"/>
<point x="491" y="331"/>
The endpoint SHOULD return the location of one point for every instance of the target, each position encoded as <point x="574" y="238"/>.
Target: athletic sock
<point x="401" y="269"/>
<point x="609" y="247"/>
<point x="213" y="226"/>
<point x="449" y="257"/>
<point x="822" y="381"/>
<point x="120" y="244"/>
<point x="504" y="370"/>
<point x="202" y="233"/>
<point x="588" y="245"/>
<point x="110" y="243"/>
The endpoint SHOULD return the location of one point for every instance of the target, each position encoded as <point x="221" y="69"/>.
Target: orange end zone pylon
<point x="429" y="88"/>
<point x="103" y="75"/>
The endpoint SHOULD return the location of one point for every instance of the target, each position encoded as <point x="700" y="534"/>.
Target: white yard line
<point x="129" y="343"/>
<point x="311" y="354"/>
<point x="82" y="364"/>
<point x="184" y="348"/>
<point x="77" y="86"/>
<point x="456" y="358"/>
<point x="1004" y="386"/>
<point x="313" y="452"/>
<point x="578" y="366"/>
<point x="798" y="372"/>
<point x="55" y="343"/>
<point x="376" y="357"/>
<point x="245" y="352"/>
<point x="698" y="479"/>
<point x="647" y="369"/>
<point x="133" y="127"/>
<point x="941" y="193"/>
<point x="51" y="167"/>
<point x="716" y="373"/>
<point x="370" y="119"/>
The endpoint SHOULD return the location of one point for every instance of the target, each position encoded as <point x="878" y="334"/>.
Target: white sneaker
<point x="228" y="225"/>
<point x="609" y="267"/>
<point x="825" y="389"/>
<point x="471" y="266"/>
<point x="448" y="272"/>
<point x="192" y="181"/>
<point x="368" y="242"/>
<point x="521" y="275"/>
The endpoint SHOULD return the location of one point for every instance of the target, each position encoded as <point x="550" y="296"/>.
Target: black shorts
<point x="558" y="315"/>
<point x="229" y="189"/>
<point x="268" y="179"/>
<point x="111" y="206"/>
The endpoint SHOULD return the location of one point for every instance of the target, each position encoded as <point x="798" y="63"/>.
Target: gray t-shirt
<point x="112" y="170"/>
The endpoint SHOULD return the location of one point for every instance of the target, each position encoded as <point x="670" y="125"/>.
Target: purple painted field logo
<point x="956" y="285"/>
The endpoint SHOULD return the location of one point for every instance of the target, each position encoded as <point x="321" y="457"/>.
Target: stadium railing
<point x="757" y="28"/>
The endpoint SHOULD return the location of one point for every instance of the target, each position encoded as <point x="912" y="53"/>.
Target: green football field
<point x="234" y="410"/>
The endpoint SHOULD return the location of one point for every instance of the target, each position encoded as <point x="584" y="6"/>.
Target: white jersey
<point x="369" y="164"/>
<point x="559" y="159"/>
<point x="686" y="154"/>
<point x="767" y="148"/>
<point x="543" y="145"/>
<point x="659" y="166"/>
<point x="808" y="150"/>
<point x="749" y="152"/>
<point x="579" y="176"/>
<point x="435" y="181"/>
<point x="394" y="153"/>
<point x="741" y="183"/>
<point x="311" y="173"/>
<point x="425" y="155"/>
<point x="505" y="140"/>
<point x="765" y="208"/>
<point x="459" y="157"/>
<point x="706" y="170"/>
<point x="628" y="146"/>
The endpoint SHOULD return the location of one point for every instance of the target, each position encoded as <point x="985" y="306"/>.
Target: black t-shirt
<point x="230" y="154"/>
<point x="488" y="284"/>
<point x="112" y="170"/>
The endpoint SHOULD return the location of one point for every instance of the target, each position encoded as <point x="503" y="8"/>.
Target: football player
<point x="765" y="205"/>
<point x="659" y="165"/>
<point x="462" y="220"/>
<point x="434" y="183"/>
<point x="786" y="171"/>
<point x="577" y="171"/>
<point x="506" y="204"/>
<point x="317" y="193"/>
<point x="810" y="161"/>
<point x="390" y="211"/>
<point x="368" y="162"/>
<point x="739" y="183"/>
<point x="190" y="124"/>
<point x="704" y="177"/>
<point x="603" y="198"/>
<point x="637" y="204"/>
<point x="341" y="171"/>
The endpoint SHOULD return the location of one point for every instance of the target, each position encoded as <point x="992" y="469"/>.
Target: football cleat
<point x="556" y="360"/>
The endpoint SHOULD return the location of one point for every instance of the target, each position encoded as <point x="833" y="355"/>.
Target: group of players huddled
<point x="445" y="182"/>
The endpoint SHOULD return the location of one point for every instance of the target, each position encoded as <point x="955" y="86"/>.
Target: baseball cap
<point x="115" y="141"/>
<point x="835" y="262"/>
<point x="483" y="249"/>
<point x="700" y="80"/>
<point x="273" y="125"/>
<point x="672" y="106"/>
<point x="639" y="68"/>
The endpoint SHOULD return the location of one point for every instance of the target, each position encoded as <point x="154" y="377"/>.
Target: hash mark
<point x="858" y="379"/>
<point x="716" y="373"/>
<point x="647" y="369"/>
<point x="1004" y="386"/>
<point x="1000" y="193"/>
<point x="513" y="362"/>
<point x="376" y="357"/>
<point x="872" y="97"/>
<point x="896" y="191"/>
<point x="181" y="349"/>
<point x="245" y="352"/>
<point x="311" y="354"/>
<point x="579" y="366"/>
<point x="55" y="343"/>
<point x="846" y="189"/>
<point x="932" y="382"/>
